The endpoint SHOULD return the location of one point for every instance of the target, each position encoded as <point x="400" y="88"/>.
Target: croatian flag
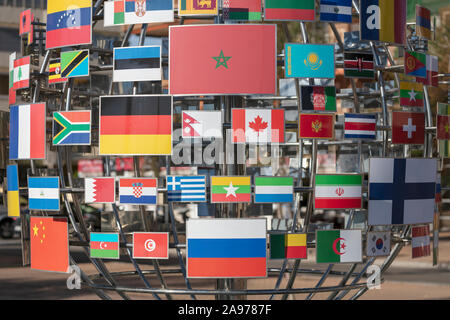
<point x="360" y="126"/>
<point x="43" y="193"/>
<point x="137" y="191"/>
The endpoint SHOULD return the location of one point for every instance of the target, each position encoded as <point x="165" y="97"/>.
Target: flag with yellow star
<point x="49" y="241"/>
<point x="443" y="121"/>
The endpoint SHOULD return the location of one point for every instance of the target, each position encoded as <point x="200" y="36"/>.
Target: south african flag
<point x="72" y="127"/>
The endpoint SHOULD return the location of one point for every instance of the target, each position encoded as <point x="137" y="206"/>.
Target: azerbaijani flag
<point x="289" y="10"/>
<point x="274" y="189"/>
<point x="288" y="246"/>
<point x="411" y="94"/>
<point x="338" y="246"/>
<point x="104" y="245"/>
<point x="226" y="248"/>
<point x="230" y="189"/>
<point x="338" y="191"/>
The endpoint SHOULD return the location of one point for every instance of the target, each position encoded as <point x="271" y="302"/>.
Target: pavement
<point x="406" y="279"/>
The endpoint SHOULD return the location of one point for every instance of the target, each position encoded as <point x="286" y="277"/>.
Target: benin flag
<point x="411" y="94"/>
<point x="289" y="10"/>
<point x="49" y="241"/>
<point x="136" y="125"/>
<point x="288" y="246"/>
<point x="338" y="246"/>
<point x="230" y="189"/>
<point x="316" y="126"/>
<point x="222" y="59"/>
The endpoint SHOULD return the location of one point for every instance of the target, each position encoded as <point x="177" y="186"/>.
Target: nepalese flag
<point x="318" y="98"/>
<point x="274" y="189"/>
<point x="25" y="22"/>
<point x="432" y="72"/>
<point x="68" y="23"/>
<point x="104" y="245"/>
<point x="338" y="191"/>
<point x="383" y="20"/>
<point x="137" y="64"/>
<point x="359" y="65"/>
<point x="258" y="125"/>
<point x="420" y="241"/>
<point x="123" y="12"/>
<point x="138" y="191"/>
<point x="22" y="73"/>
<point x="336" y="10"/>
<point x="12" y="92"/>
<point x="99" y="190"/>
<point x="288" y="246"/>
<point x="43" y="193"/>
<point x="289" y="10"/>
<point x="27" y="132"/>
<point x="360" y="126"/>
<point x="201" y="124"/>
<point x="443" y="121"/>
<point x="401" y="191"/>
<point x="226" y="248"/>
<point x="242" y="10"/>
<point x="186" y="188"/>
<point x="411" y="94"/>
<point x="415" y="64"/>
<point x="54" y="72"/>
<point x="423" y="22"/>
<point x="230" y="189"/>
<point x="198" y="7"/>
<point x="378" y="243"/>
<point x="72" y="127"/>
<point x="338" y="246"/>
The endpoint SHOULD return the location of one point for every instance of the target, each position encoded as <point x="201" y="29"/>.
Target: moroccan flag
<point x="12" y="92"/>
<point x="49" y="242"/>
<point x="318" y="98"/>
<point x="99" y="190"/>
<point x="432" y="70"/>
<point x="411" y="94"/>
<point x="12" y="177"/>
<point x="288" y="246"/>
<point x="415" y="64"/>
<point x="423" y="22"/>
<point x="198" y="7"/>
<point x="274" y="189"/>
<point x="25" y="22"/>
<point x="230" y="189"/>
<point x="150" y="245"/>
<point x="338" y="246"/>
<point x="359" y="65"/>
<point x="289" y="10"/>
<point x="316" y="126"/>
<point x="222" y="59"/>
<point x="54" y="70"/>
<point x="104" y="245"/>
<point x="443" y="121"/>
<point x="136" y="125"/>
<point x="383" y="20"/>
<point x="420" y="241"/>
<point x="408" y="127"/>
<point x="258" y="125"/>
<point x="242" y="10"/>
<point x="72" y="127"/>
<point x="338" y="191"/>
<point x="22" y="73"/>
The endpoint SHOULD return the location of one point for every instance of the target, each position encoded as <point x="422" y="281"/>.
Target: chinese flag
<point x="443" y="127"/>
<point x="316" y="126"/>
<point x="49" y="244"/>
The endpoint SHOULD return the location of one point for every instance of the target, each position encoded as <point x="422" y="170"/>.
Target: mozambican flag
<point x="54" y="72"/>
<point x="360" y="126"/>
<point x="432" y="70"/>
<point x="411" y="94"/>
<point x="25" y="22"/>
<point x="72" y="127"/>
<point x="68" y="23"/>
<point x="137" y="191"/>
<point x="226" y="248"/>
<point x="423" y="22"/>
<point x="137" y="64"/>
<point x="338" y="246"/>
<point x="230" y="189"/>
<point x="22" y="73"/>
<point x="383" y="20"/>
<point x="338" y="191"/>
<point x="222" y="59"/>
<point x="316" y="126"/>
<point x="288" y="246"/>
<point x="75" y="63"/>
<point x="43" y="193"/>
<point x="274" y="189"/>
<point x="318" y="98"/>
<point x="309" y="60"/>
<point x="443" y="121"/>
<point x="27" y="131"/>
<point x="120" y="12"/>
<point x="289" y="10"/>
<point x="336" y="10"/>
<point x="198" y="7"/>
<point x="242" y="10"/>
<point x="12" y="177"/>
<point x="104" y="245"/>
<point x="359" y="65"/>
<point x="136" y="125"/>
<point x="415" y="64"/>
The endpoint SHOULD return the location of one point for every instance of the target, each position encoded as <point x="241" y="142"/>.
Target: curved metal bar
<point x="356" y="279"/>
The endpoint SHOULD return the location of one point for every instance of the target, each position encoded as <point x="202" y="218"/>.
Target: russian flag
<point x="226" y="248"/>
<point x="27" y="132"/>
<point x="137" y="191"/>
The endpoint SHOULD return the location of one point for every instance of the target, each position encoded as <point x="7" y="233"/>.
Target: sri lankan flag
<point x="54" y="69"/>
<point x="136" y="125"/>
<point x="411" y="94"/>
<point x="230" y="189"/>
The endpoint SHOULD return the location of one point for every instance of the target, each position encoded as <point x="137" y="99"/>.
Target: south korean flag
<point x="378" y="244"/>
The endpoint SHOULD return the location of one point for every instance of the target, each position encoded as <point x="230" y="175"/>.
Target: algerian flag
<point x="338" y="246"/>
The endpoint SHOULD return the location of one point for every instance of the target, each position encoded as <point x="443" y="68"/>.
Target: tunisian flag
<point x="222" y="59"/>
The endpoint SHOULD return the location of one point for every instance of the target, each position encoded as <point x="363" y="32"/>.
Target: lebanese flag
<point x="258" y="125"/>
<point x="12" y="92"/>
<point x="151" y="245"/>
<point x="99" y="190"/>
<point x="316" y="126"/>
<point x="408" y="127"/>
<point x="22" y="73"/>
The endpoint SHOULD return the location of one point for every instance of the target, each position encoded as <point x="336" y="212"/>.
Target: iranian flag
<point x="258" y="125"/>
<point x="338" y="246"/>
<point x="338" y="191"/>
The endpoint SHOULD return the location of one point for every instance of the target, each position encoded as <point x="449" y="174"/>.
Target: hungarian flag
<point x="139" y="191"/>
<point x="258" y="125"/>
<point x="136" y="125"/>
<point x="49" y="242"/>
<point x="415" y="64"/>
<point x="423" y="22"/>
<point x="288" y="246"/>
<point x="22" y="73"/>
<point x="104" y="245"/>
<point x="318" y="98"/>
<point x="432" y="70"/>
<point x="12" y="92"/>
<point x="338" y="191"/>
<point x="54" y="72"/>
<point x="420" y="241"/>
<point x="230" y="189"/>
<point x="242" y="10"/>
<point x="338" y="246"/>
<point x="150" y="245"/>
<point x="411" y="94"/>
<point x="99" y="190"/>
<point x="359" y="65"/>
<point x="289" y="10"/>
<point x="201" y="124"/>
<point x="378" y="243"/>
<point x="222" y="59"/>
<point x="25" y="22"/>
<point x="443" y="121"/>
<point x="316" y="126"/>
<point x="408" y="127"/>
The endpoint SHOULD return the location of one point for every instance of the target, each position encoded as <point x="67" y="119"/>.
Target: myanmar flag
<point x="289" y="10"/>
<point x="136" y="125"/>
<point x="230" y="189"/>
<point x="411" y="94"/>
<point x="338" y="246"/>
<point x="288" y="246"/>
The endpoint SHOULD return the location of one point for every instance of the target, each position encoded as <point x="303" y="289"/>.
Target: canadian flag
<point x="258" y="125"/>
<point x="99" y="190"/>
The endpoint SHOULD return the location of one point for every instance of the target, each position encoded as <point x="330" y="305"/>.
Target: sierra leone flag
<point x="273" y="189"/>
<point x="338" y="191"/>
<point x="338" y="246"/>
<point x="72" y="127"/>
<point x="137" y="64"/>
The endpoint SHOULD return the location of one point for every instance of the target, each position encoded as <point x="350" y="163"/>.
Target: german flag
<point x="136" y="125"/>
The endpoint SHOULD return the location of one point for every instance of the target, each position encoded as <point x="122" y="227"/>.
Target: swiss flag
<point x="408" y="127"/>
<point x="443" y="127"/>
<point x="151" y="245"/>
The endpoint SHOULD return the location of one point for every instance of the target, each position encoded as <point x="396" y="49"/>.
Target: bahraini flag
<point x="99" y="190"/>
<point x="258" y="125"/>
<point x="338" y="246"/>
<point x="230" y="189"/>
<point x="338" y="191"/>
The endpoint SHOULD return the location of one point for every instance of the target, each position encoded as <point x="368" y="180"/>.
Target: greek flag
<point x="186" y="188"/>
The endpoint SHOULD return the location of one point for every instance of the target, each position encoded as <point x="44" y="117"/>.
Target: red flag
<point x="443" y="127"/>
<point x="49" y="241"/>
<point x="150" y="245"/>
<point x="408" y="127"/>
<point x="316" y="126"/>
<point x="222" y="59"/>
<point x="25" y="22"/>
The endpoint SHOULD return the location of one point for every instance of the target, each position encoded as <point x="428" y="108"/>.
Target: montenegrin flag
<point x="338" y="191"/>
<point x="338" y="246"/>
<point x="230" y="189"/>
<point x="104" y="245"/>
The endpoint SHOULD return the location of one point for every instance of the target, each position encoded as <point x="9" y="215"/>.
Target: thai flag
<point x="137" y="191"/>
<point x="360" y="126"/>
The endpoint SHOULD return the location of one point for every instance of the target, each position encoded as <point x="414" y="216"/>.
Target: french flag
<point x="27" y="131"/>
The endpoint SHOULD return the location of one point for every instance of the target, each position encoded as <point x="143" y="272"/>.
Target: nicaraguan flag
<point x="43" y="193"/>
<point x="186" y="188"/>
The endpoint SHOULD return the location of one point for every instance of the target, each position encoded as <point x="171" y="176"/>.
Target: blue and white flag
<point x="43" y="193"/>
<point x="360" y="126"/>
<point x="137" y="64"/>
<point x="336" y="10"/>
<point x="401" y="191"/>
<point x="186" y="188"/>
<point x="274" y="189"/>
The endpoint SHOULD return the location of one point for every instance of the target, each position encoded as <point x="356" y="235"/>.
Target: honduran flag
<point x="360" y="126"/>
<point x="137" y="191"/>
<point x="226" y="248"/>
<point x="258" y="125"/>
<point x="27" y="132"/>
